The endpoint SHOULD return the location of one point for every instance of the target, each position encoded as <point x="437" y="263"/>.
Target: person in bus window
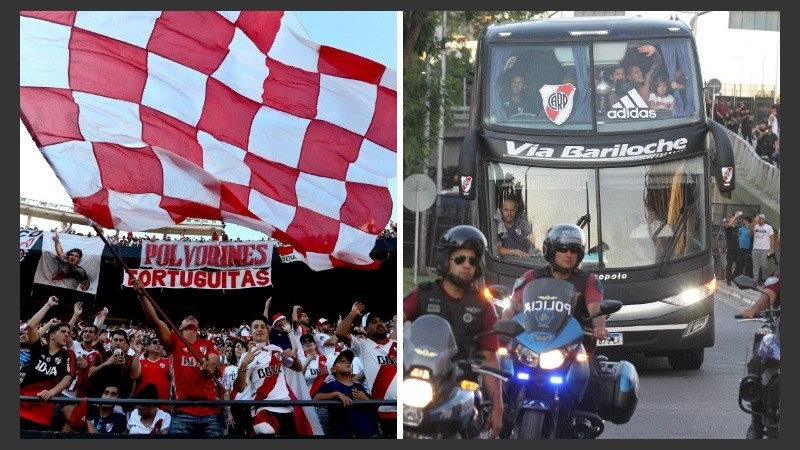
<point x="515" y="235"/>
<point x="635" y="76"/>
<point x="617" y="82"/>
<point x="661" y="99"/>
<point x="516" y="99"/>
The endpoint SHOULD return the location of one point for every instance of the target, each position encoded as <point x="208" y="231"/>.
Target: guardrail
<point x="763" y="176"/>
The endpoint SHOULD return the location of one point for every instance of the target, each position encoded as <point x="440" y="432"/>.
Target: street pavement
<point x="748" y="296"/>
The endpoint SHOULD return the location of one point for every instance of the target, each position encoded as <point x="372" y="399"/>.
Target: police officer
<point x="455" y="297"/>
<point x="564" y="247"/>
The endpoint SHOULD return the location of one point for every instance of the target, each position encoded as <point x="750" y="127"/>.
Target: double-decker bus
<point x="552" y="129"/>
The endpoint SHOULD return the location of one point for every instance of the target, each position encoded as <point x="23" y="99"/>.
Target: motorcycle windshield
<point x="547" y="305"/>
<point x="429" y="342"/>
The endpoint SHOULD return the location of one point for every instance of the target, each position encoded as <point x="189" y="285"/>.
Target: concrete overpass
<point x="66" y="214"/>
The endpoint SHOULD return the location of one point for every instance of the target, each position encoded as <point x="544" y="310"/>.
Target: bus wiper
<point x="680" y="226"/>
<point x="583" y="220"/>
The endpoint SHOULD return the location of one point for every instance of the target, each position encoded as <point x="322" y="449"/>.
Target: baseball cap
<point x="762" y="216"/>
<point x="321" y="321"/>
<point x="346" y="354"/>
<point x="306" y="339"/>
<point x="276" y="317"/>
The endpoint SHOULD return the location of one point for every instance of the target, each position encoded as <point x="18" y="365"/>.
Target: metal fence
<point x="130" y="402"/>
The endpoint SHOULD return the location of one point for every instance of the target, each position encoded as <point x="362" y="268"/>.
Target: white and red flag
<point x="151" y="117"/>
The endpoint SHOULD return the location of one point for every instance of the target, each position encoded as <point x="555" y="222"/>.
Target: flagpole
<point x="152" y="302"/>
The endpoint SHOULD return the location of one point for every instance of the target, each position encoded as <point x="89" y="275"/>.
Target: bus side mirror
<point x="467" y="164"/>
<point x="724" y="163"/>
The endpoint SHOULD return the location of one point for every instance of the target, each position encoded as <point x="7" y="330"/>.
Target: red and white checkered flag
<point x="149" y="118"/>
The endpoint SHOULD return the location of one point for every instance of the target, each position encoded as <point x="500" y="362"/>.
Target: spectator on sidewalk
<point x="744" y="263"/>
<point x="731" y="241"/>
<point x="763" y="247"/>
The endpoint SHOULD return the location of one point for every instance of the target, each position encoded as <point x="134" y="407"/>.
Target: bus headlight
<point x="417" y="393"/>
<point x="692" y="295"/>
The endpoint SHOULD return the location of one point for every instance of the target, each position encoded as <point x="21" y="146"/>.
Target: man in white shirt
<point x="763" y="246"/>
<point x="378" y="353"/>
<point x="327" y="343"/>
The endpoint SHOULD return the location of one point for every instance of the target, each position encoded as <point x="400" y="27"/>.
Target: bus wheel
<point x="687" y="359"/>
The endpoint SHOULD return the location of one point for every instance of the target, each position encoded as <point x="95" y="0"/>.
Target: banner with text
<point x="70" y="261"/>
<point x="200" y="279"/>
<point x="27" y="239"/>
<point x="189" y="255"/>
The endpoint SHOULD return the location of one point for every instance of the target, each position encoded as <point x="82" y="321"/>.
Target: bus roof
<point x="629" y="27"/>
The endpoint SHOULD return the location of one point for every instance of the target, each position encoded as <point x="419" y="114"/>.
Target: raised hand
<point x="358" y="307"/>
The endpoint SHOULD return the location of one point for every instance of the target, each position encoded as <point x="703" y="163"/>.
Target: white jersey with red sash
<point x="380" y="369"/>
<point x="269" y="379"/>
<point x="93" y="357"/>
<point x="316" y="372"/>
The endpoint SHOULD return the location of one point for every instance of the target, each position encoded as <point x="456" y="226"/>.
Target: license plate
<point x="612" y="339"/>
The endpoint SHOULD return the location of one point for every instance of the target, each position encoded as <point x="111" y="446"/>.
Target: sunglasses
<point x="473" y="261"/>
<point x="568" y="248"/>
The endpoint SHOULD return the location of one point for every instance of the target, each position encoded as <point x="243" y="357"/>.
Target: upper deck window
<point x="610" y="86"/>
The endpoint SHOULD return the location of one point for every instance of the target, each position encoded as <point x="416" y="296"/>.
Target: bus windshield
<point x="603" y="87"/>
<point x="638" y="216"/>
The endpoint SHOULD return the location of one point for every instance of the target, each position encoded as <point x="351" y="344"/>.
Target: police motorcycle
<point x="550" y="368"/>
<point x="440" y="398"/>
<point x="762" y="387"/>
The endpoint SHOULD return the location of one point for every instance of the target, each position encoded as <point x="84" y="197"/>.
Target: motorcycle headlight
<point x="527" y="356"/>
<point x="417" y="393"/>
<point x="552" y="359"/>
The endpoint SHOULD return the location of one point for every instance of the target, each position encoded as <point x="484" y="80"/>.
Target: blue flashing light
<point x="525" y="376"/>
<point x="556" y="379"/>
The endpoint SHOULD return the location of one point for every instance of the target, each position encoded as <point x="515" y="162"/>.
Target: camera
<point x="117" y="352"/>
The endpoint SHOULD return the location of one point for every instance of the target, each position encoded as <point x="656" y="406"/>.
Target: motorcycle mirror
<point x="610" y="306"/>
<point x="745" y="282"/>
<point x="508" y="327"/>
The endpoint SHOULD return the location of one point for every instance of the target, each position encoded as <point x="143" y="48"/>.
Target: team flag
<point x="151" y="117"/>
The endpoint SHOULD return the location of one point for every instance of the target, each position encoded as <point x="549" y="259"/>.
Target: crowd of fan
<point x="131" y="240"/>
<point x="762" y="135"/>
<point x="142" y="368"/>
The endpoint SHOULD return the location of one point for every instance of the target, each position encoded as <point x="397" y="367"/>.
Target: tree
<point x="421" y="74"/>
